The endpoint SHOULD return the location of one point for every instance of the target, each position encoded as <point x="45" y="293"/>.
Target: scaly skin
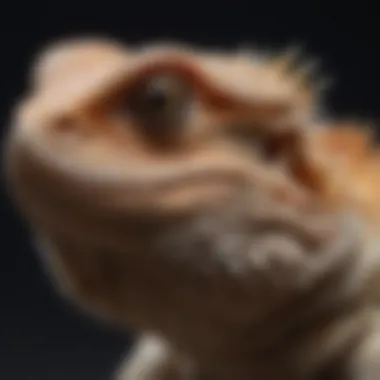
<point x="195" y="197"/>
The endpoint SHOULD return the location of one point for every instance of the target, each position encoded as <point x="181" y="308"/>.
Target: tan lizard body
<point x="195" y="197"/>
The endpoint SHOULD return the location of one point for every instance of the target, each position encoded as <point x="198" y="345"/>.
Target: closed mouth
<point x="135" y="185"/>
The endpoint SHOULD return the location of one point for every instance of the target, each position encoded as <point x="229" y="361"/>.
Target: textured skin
<point x="232" y="229"/>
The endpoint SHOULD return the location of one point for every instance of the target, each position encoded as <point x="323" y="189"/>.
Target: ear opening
<point x="290" y="149"/>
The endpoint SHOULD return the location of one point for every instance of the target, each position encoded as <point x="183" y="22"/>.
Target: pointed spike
<point x="310" y="67"/>
<point x="286" y="60"/>
<point x="245" y="48"/>
<point x="249" y="51"/>
<point x="305" y="72"/>
<point x="323" y="84"/>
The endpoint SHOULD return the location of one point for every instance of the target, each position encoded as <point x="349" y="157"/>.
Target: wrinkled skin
<point x="170" y="191"/>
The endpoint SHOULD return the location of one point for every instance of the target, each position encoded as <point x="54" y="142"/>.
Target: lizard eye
<point x="160" y="93"/>
<point x="161" y="104"/>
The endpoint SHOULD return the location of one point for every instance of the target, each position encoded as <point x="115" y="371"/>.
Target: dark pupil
<point x="156" y="98"/>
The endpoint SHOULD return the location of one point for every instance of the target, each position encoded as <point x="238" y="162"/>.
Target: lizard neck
<point x="196" y="287"/>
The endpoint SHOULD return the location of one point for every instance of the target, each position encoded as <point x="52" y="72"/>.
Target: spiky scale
<point x="286" y="61"/>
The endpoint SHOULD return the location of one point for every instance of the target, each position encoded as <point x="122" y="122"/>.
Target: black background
<point x="42" y="337"/>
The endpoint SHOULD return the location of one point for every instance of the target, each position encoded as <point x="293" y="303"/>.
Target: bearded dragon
<point x="197" y="197"/>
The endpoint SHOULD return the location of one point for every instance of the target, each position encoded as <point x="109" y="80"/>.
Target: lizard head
<point x="163" y="127"/>
<point x="113" y="147"/>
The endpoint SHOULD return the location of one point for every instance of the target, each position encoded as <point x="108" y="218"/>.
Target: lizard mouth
<point x="169" y="185"/>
